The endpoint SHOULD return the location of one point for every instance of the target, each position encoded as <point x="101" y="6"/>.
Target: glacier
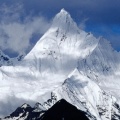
<point x="68" y="63"/>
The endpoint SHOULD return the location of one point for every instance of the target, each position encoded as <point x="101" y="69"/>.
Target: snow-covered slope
<point x="86" y="95"/>
<point x="78" y="90"/>
<point x="103" y="66"/>
<point x="63" y="48"/>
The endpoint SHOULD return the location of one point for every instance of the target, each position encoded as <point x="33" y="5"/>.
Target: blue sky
<point x="23" y="22"/>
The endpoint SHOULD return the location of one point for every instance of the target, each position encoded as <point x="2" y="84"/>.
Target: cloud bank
<point x="15" y="33"/>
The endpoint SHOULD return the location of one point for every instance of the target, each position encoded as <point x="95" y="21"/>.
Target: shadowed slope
<point x="63" y="110"/>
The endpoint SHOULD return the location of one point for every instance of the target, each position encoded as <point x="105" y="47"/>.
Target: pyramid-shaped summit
<point x="63" y="14"/>
<point x="64" y="11"/>
<point x="63" y="20"/>
<point x="63" y="41"/>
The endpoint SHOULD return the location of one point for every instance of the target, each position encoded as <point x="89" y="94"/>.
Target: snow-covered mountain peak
<point x="61" y="49"/>
<point x="63" y="10"/>
<point x="64" y="21"/>
<point x="25" y="105"/>
<point x="62" y="15"/>
<point x="63" y="36"/>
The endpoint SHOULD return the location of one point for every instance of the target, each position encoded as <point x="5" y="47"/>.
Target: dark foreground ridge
<point x="62" y="110"/>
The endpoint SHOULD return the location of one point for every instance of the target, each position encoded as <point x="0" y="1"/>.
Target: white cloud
<point x="82" y="24"/>
<point x="14" y="34"/>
